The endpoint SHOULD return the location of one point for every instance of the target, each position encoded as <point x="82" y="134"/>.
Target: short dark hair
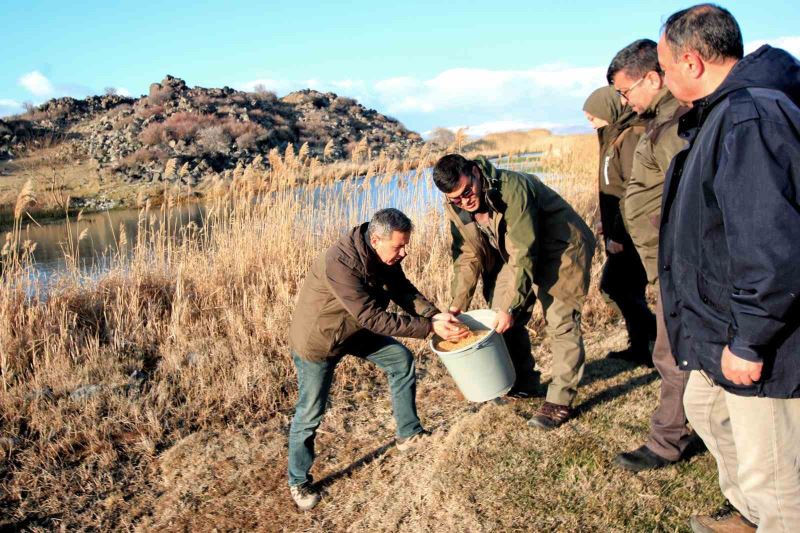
<point x="385" y="221"/>
<point x="635" y="60"/>
<point x="448" y="171"/>
<point x="708" y="29"/>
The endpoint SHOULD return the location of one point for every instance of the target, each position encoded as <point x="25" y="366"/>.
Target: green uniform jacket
<point x="542" y="241"/>
<point x="616" y="160"/>
<point x="618" y="143"/>
<point x="642" y="202"/>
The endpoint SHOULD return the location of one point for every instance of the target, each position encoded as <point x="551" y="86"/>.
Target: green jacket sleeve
<point x="521" y="244"/>
<point x="466" y="269"/>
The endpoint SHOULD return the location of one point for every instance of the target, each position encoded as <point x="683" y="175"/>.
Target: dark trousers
<point x="624" y="280"/>
<point x="669" y="435"/>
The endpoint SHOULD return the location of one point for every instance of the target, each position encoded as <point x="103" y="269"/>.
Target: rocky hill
<point x="204" y="130"/>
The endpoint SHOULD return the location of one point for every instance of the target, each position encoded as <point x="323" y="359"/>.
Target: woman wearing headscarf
<point x="624" y="279"/>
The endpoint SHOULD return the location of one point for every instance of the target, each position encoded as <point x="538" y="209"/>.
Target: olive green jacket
<point x="618" y="143"/>
<point x="617" y="147"/>
<point x="642" y="202"/>
<point x="542" y="240"/>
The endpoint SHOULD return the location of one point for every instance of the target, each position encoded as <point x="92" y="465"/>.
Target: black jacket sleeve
<point x="756" y="186"/>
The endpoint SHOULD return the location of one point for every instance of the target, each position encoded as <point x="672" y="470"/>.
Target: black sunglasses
<point x="468" y="192"/>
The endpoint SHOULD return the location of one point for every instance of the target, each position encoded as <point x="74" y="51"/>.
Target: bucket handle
<point x="485" y="340"/>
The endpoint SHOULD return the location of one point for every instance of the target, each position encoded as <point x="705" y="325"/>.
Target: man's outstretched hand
<point x="738" y="370"/>
<point x="503" y="321"/>
<point x="448" y="327"/>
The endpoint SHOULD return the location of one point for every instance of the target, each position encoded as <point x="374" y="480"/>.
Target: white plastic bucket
<point x="483" y="370"/>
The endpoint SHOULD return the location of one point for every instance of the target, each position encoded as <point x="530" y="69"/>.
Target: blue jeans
<point x="314" y="383"/>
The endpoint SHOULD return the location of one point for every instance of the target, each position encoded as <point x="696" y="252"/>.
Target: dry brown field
<point x="158" y="395"/>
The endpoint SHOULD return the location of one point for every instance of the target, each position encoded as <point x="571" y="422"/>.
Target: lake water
<point x="100" y="245"/>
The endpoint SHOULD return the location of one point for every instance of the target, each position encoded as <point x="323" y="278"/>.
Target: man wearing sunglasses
<point x="639" y="81"/>
<point x="526" y="243"/>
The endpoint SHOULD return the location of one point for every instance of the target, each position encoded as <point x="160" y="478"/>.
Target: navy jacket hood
<point x="768" y="68"/>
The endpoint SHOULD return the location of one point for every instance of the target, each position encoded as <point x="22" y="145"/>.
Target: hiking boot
<point x="520" y="394"/>
<point x="414" y="441"/>
<point x="642" y="458"/>
<point x="305" y="495"/>
<point x="637" y="356"/>
<point x="550" y="416"/>
<point x="726" y="519"/>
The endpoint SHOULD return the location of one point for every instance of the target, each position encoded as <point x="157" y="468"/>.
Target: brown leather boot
<point x="550" y="416"/>
<point x="726" y="519"/>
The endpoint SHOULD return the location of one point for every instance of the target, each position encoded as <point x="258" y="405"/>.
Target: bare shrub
<point x="159" y="96"/>
<point x="342" y="103"/>
<point x="247" y="141"/>
<point x="442" y="137"/>
<point x="142" y="156"/>
<point x="152" y="134"/>
<point x="236" y="128"/>
<point x="266" y="96"/>
<point x="214" y="139"/>
<point x="315" y="128"/>
<point x="148" y="111"/>
<point x="110" y="91"/>
<point x="184" y="126"/>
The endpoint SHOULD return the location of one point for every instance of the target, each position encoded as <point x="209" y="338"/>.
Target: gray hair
<point x="708" y="29"/>
<point x="385" y="221"/>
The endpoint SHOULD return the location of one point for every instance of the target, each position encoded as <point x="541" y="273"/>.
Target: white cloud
<point x="36" y="83"/>
<point x="483" y="88"/>
<point x="122" y="91"/>
<point x="9" y="107"/>
<point x="790" y="44"/>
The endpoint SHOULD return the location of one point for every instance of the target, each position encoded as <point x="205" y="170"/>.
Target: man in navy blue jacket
<point x="730" y="262"/>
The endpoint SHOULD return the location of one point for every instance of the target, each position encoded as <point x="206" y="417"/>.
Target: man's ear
<point x="655" y="79"/>
<point x="693" y="63"/>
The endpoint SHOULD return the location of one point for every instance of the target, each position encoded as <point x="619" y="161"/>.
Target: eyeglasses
<point x="467" y="193"/>
<point x="624" y="94"/>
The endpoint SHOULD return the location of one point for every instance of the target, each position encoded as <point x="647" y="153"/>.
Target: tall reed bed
<point x="188" y="329"/>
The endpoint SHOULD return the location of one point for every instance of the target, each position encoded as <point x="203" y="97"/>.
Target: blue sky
<point x="487" y="65"/>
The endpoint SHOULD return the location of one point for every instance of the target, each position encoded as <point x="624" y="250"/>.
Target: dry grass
<point x="197" y="438"/>
<point x="509" y="142"/>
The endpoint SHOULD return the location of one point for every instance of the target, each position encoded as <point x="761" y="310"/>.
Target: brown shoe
<point x="550" y="416"/>
<point x="726" y="519"/>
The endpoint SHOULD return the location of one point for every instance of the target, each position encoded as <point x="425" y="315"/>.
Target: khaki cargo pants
<point x="563" y="328"/>
<point x="755" y="443"/>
